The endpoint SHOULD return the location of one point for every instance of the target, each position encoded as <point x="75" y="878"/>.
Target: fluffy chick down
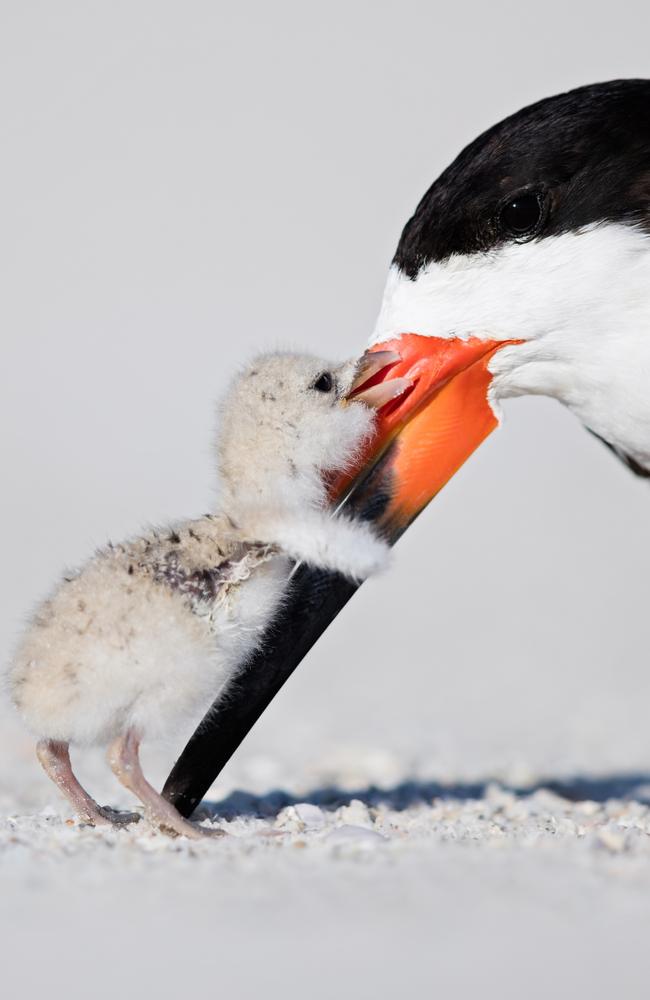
<point x="146" y="634"/>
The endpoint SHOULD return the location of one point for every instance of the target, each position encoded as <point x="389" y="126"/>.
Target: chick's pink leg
<point x="125" y="764"/>
<point x="54" y="756"/>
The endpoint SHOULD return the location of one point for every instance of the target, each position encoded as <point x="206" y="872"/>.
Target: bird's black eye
<point x="324" y="382"/>
<point x="522" y="215"/>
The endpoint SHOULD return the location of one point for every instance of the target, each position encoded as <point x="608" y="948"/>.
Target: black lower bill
<point x="314" y="601"/>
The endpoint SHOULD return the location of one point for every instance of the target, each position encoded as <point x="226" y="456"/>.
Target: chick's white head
<point x="285" y="424"/>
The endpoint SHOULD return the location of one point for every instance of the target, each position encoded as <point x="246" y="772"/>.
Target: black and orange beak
<point x="433" y="411"/>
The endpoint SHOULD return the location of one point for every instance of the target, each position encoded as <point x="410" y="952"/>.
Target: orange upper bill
<point x="437" y="419"/>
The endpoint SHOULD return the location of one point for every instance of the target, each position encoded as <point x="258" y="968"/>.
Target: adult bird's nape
<point x="525" y="269"/>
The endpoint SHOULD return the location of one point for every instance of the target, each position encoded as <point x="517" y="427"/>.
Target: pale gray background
<point x="184" y="183"/>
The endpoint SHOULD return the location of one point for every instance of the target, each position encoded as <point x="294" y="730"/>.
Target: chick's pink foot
<point x="54" y="756"/>
<point x="123" y="757"/>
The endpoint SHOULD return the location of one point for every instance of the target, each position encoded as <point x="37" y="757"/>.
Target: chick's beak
<point x="373" y="382"/>
<point x="433" y="411"/>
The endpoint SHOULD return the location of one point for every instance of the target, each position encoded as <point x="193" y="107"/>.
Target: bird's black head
<point x="554" y="167"/>
<point x="537" y="240"/>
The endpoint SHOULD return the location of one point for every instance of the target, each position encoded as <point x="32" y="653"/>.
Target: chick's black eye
<point x="522" y="216"/>
<point x="324" y="382"/>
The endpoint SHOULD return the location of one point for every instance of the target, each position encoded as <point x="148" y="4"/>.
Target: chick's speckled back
<point x="173" y="613"/>
<point x="198" y="559"/>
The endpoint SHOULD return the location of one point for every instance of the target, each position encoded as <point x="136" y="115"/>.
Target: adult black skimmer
<point x="525" y="269"/>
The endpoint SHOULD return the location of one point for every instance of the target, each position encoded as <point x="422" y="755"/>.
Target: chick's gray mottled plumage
<point x="149" y="631"/>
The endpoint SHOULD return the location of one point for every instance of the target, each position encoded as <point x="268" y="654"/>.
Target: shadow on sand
<point x="630" y="786"/>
